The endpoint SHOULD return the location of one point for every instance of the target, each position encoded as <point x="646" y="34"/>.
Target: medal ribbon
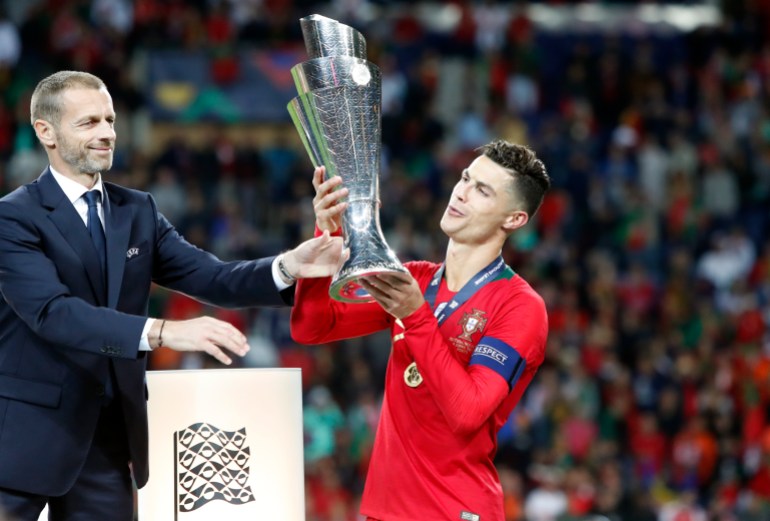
<point x="481" y="279"/>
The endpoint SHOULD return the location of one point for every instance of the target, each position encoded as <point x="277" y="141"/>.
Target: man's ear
<point x="45" y="132"/>
<point x="515" y="220"/>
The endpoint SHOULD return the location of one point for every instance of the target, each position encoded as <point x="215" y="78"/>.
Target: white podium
<point x="225" y="444"/>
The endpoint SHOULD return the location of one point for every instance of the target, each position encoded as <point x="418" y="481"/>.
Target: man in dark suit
<point x="77" y="259"/>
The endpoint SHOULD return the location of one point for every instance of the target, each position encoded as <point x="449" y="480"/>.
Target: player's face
<point x="482" y="206"/>
<point x="85" y="136"/>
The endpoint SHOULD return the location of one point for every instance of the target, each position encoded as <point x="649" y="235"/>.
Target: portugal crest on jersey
<point x="471" y="323"/>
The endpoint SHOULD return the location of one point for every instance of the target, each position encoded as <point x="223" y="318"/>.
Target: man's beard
<point x="80" y="160"/>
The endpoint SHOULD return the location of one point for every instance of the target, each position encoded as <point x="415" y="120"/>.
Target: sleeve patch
<point x="501" y="358"/>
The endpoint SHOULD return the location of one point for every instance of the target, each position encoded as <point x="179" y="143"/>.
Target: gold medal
<point x="412" y="376"/>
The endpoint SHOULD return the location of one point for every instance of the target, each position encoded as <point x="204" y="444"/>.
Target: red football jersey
<point x="449" y="388"/>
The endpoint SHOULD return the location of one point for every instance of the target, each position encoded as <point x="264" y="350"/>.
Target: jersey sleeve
<point x="316" y="318"/>
<point x="508" y="355"/>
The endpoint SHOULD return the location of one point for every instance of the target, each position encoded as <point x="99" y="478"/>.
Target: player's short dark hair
<point x="530" y="179"/>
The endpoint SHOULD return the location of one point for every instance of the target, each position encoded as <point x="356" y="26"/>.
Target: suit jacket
<point x="61" y="326"/>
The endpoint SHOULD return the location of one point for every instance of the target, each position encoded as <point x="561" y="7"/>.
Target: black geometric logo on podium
<point x="210" y="464"/>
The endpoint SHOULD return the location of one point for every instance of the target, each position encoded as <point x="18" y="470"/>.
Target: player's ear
<point x="516" y="219"/>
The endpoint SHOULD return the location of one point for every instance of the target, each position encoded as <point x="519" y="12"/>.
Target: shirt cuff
<point x="279" y="283"/>
<point x="144" y="341"/>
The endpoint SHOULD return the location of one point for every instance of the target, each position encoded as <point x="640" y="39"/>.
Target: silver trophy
<point x="337" y="114"/>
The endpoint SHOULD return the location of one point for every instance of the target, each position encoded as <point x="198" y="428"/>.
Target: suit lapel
<point x="117" y="218"/>
<point x="66" y="219"/>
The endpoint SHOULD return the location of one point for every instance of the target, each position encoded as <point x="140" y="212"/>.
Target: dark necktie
<point x="95" y="227"/>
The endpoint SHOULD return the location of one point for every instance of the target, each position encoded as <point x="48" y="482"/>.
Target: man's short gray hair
<point x="46" y="98"/>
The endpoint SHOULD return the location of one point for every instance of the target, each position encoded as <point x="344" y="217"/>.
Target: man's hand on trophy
<point x="318" y="257"/>
<point x="327" y="203"/>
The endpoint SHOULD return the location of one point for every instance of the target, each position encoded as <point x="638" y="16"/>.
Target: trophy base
<point x="347" y="289"/>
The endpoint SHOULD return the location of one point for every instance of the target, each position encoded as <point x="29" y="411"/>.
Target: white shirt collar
<point x="74" y="190"/>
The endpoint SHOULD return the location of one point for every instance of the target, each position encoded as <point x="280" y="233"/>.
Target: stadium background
<point x="651" y="251"/>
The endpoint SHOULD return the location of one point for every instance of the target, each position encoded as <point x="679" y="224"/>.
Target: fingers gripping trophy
<point x="337" y="114"/>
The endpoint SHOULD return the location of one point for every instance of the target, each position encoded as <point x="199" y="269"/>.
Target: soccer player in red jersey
<point x="468" y="336"/>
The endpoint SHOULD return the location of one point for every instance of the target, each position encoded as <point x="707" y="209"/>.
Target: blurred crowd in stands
<point x="652" y="250"/>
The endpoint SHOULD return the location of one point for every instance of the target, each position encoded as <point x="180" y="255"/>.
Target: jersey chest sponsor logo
<point x="470" y="324"/>
<point x="469" y="516"/>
